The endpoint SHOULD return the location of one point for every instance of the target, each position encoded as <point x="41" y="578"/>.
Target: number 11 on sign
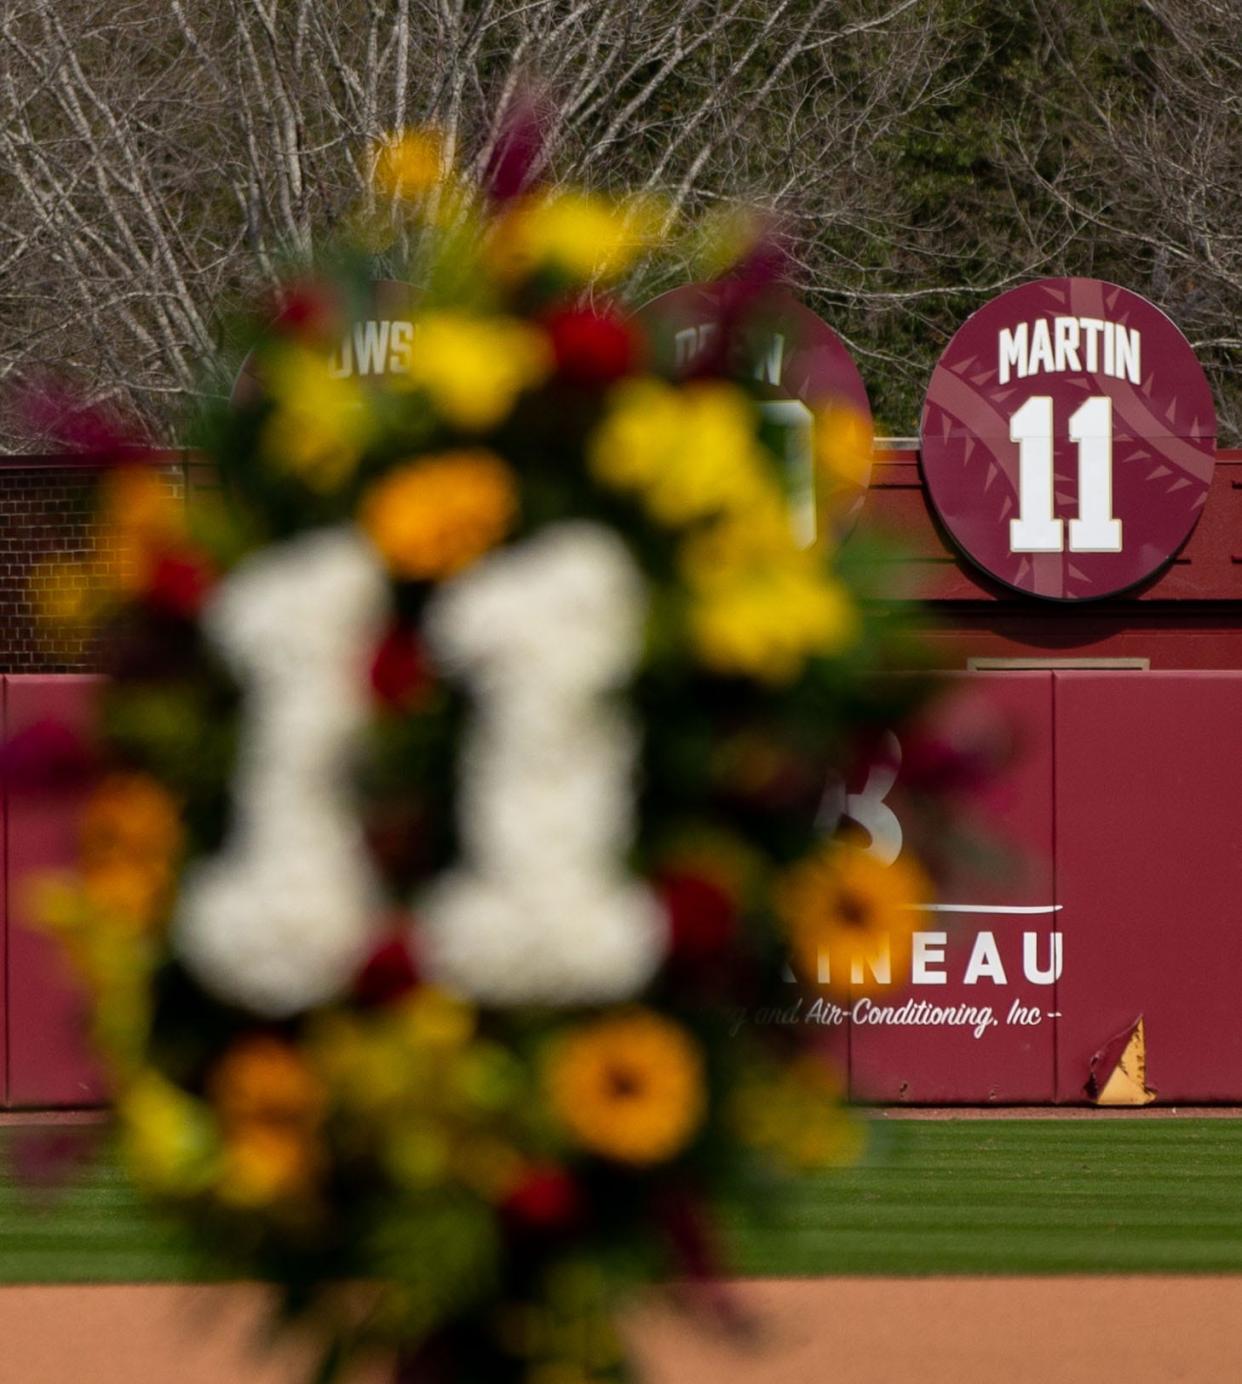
<point x="1037" y="529"/>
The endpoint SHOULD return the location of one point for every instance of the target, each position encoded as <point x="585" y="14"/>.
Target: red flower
<point x="400" y="674"/>
<point x="178" y="584"/>
<point x="702" y="917"/>
<point x="51" y="410"/>
<point x="519" y="143"/>
<point x="547" y="1198"/>
<point x="390" y="972"/>
<point x="47" y="756"/>
<point x="310" y="312"/>
<point x="591" y="347"/>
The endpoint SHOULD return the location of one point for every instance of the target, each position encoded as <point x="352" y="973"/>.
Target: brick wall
<point x="50" y="546"/>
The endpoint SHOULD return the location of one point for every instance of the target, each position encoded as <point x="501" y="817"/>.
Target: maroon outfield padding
<point x="1010" y="1061"/>
<point x="1095" y="514"/>
<point x="1149" y="870"/>
<point x="49" y="1060"/>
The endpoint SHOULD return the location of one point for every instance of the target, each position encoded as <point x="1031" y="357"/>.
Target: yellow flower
<point x="320" y="423"/>
<point x="571" y="233"/>
<point x="765" y="621"/>
<point x="628" y="1086"/>
<point x="798" y="1113"/>
<point x="263" y="1163"/>
<point x="140" y="517"/>
<point x="844" y="444"/>
<point x="434" y="516"/>
<point x="760" y="605"/>
<point x="434" y="1018"/>
<point x="850" y="918"/>
<point x="409" y="162"/>
<point x="689" y="452"/>
<point x="724" y="237"/>
<point x="474" y="368"/>
<point x="65" y="593"/>
<point x="168" y="1138"/>
<point x="366" y="1065"/>
<point x="131" y="818"/>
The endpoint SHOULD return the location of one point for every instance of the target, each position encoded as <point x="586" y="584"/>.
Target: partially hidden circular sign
<point x="377" y="338"/>
<point x="797" y="365"/>
<point x="1068" y="438"/>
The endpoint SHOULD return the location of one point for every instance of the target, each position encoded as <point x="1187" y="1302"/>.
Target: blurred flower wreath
<point x="459" y="771"/>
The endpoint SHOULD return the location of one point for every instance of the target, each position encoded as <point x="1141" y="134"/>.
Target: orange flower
<point x="129" y="835"/>
<point x="263" y="1080"/>
<point x="127" y="893"/>
<point x="271" y="1107"/>
<point x="130" y="817"/>
<point x="141" y="519"/>
<point x="264" y="1163"/>
<point x="850" y="918"/>
<point x="629" y="1086"/>
<point x="432" y="517"/>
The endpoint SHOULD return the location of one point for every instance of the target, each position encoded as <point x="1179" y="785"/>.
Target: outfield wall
<point x="1124" y="900"/>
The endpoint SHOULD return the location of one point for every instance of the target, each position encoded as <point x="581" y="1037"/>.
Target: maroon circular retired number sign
<point x="1068" y="438"/>
<point x="793" y="360"/>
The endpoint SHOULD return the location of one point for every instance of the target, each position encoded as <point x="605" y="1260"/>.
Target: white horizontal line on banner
<point x="986" y="908"/>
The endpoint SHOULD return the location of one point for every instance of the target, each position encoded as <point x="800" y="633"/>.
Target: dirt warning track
<point x="1140" y="1330"/>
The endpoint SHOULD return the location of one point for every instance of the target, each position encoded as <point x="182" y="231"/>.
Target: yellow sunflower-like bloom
<point x="629" y="1086"/>
<point x="850" y="918"/>
<point x="571" y="233"/>
<point x="320" y="424"/>
<point x="474" y="368"/>
<point x="432" y="517"/>
<point x="689" y="452"/>
<point x="408" y="163"/>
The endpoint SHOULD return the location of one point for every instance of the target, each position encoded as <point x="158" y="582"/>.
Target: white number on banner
<point x="1036" y="528"/>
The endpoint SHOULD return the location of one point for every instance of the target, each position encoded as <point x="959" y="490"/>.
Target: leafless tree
<point x="1139" y="150"/>
<point x="158" y="160"/>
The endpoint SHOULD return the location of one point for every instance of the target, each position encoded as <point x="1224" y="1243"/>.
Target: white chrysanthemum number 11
<point x="541" y="908"/>
<point x="1037" y="529"/>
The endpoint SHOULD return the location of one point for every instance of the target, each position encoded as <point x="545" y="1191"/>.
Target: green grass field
<point x="937" y="1197"/>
